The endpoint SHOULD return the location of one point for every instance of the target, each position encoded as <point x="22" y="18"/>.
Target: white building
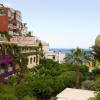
<point x="75" y="94"/>
<point x="45" y="47"/>
<point x="56" y="56"/>
<point x="24" y="28"/>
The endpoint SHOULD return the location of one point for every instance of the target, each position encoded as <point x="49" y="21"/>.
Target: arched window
<point x="30" y="60"/>
<point x="34" y="59"/>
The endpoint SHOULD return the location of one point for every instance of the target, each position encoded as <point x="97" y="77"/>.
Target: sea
<point x="66" y="50"/>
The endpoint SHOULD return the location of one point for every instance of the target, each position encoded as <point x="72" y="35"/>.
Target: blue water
<point x="65" y="50"/>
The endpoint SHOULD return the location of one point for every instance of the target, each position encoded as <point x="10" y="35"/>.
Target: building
<point x="24" y="40"/>
<point x="56" y="56"/>
<point x="45" y="47"/>
<point x="20" y="52"/>
<point x="10" y="20"/>
<point x="75" y="94"/>
<point x="24" y="28"/>
<point x="18" y="49"/>
<point x="28" y="45"/>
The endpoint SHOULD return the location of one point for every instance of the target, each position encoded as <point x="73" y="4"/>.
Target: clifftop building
<point x="18" y="48"/>
<point x="10" y="20"/>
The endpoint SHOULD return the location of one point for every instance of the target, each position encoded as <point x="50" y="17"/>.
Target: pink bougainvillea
<point x="7" y="66"/>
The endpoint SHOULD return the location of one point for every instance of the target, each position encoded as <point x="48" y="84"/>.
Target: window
<point x="30" y="60"/>
<point x="34" y="59"/>
<point x="2" y="68"/>
<point x="53" y="57"/>
<point x="37" y="59"/>
<point x="2" y="12"/>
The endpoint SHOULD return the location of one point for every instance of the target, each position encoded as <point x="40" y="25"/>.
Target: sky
<point x="61" y="23"/>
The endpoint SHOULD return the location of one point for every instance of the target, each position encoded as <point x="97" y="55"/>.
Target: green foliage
<point x="96" y="72"/>
<point x="88" y="84"/>
<point x="28" y="76"/>
<point x="92" y="98"/>
<point x="44" y="81"/>
<point x="17" y="54"/>
<point x="97" y="96"/>
<point x="23" y="63"/>
<point x="78" y="58"/>
<point x="8" y="97"/>
<point x="97" y="86"/>
<point x="84" y="69"/>
<point x="12" y="80"/>
<point x="48" y="63"/>
<point x="29" y="98"/>
<point x="68" y="78"/>
<point x="6" y="34"/>
<point x="42" y="87"/>
<point x="7" y="92"/>
<point x="96" y="53"/>
<point x="22" y="90"/>
<point x="53" y="98"/>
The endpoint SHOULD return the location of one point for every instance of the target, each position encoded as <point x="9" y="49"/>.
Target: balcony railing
<point x="28" y="51"/>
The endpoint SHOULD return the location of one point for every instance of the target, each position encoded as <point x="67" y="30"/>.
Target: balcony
<point x="28" y="51"/>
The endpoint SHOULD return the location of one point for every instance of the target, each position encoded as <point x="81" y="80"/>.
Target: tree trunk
<point x="77" y="76"/>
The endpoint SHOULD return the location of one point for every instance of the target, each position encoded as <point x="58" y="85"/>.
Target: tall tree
<point x="77" y="57"/>
<point x="96" y="52"/>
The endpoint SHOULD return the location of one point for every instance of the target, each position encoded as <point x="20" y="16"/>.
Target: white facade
<point x="56" y="56"/>
<point x="45" y="47"/>
<point x="75" y="94"/>
<point x="33" y="60"/>
<point x="24" y="29"/>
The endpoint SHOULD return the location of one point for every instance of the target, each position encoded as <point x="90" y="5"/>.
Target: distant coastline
<point x="65" y="50"/>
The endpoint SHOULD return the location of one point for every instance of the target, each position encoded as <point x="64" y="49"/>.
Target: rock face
<point x="97" y="41"/>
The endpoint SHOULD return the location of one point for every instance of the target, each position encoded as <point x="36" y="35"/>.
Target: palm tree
<point x="77" y="57"/>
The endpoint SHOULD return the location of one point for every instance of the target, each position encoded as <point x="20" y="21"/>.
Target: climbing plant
<point x="6" y="34"/>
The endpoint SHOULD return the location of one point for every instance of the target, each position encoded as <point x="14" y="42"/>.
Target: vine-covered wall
<point x="19" y="58"/>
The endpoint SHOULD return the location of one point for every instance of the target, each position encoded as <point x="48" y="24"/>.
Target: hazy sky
<point x="62" y="23"/>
